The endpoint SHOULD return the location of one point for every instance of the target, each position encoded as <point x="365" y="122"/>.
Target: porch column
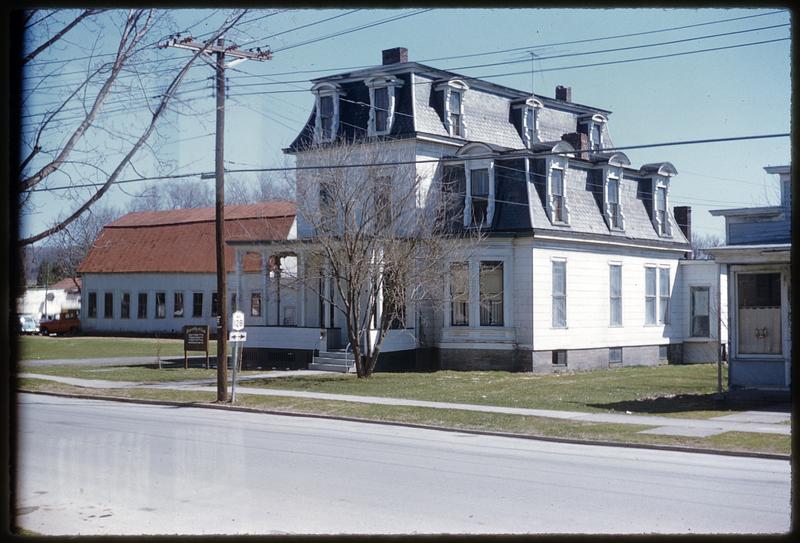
<point x="301" y="282"/>
<point x="278" y="290"/>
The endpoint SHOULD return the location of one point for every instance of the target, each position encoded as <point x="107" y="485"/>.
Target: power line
<point x="490" y="76"/>
<point x="520" y="154"/>
<point x="302" y="26"/>
<point x="541" y="46"/>
<point x="355" y="29"/>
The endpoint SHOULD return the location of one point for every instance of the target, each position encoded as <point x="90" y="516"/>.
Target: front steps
<point x="334" y="360"/>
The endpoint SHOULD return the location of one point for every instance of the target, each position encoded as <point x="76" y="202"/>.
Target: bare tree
<point x="71" y="141"/>
<point x="184" y="194"/>
<point x="380" y="234"/>
<point x="704" y="241"/>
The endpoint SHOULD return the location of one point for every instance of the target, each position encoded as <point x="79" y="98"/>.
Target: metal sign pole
<point x="235" y="363"/>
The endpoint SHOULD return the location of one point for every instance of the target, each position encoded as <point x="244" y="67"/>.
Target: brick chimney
<point x="564" y="93"/>
<point x="395" y="56"/>
<point x="683" y="216"/>
<point x="578" y="141"/>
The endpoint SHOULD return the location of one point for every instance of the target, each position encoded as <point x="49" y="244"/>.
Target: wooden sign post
<point x="195" y="338"/>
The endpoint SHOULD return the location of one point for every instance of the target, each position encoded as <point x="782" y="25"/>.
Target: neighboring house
<point x="50" y="300"/>
<point x="584" y="263"/>
<point x="757" y="258"/>
<point x="154" y="272"/>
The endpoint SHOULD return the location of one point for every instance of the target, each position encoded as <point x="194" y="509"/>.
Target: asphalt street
<point x="91" y="467"/>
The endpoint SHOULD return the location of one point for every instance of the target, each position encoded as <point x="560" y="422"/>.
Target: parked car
<point x="66" y="322"/>
<point x="27" y="324"/>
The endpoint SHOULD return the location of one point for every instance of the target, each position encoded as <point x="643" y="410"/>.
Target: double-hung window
<point x="615" y="294"/>
<point x="125" y="306"/>
<point x="326" y="117"/>
<point x="161" y="305"/>
<point x="614" y="215"/>
<point x="255" y="304"/>
<point x="661" y="210"/>
<point x="557" y="187"/>
<point x="141" y="306"/>
<point x="700" y="325"/>
<point x="197" y="304"/>
<point x="459" y="294"/>
<point x="663" y="295"/>
<point x="491" y="293"/>
<point x="214" y="304"/>
<point x="108" y="306"/>
<point x="454" y="113"/>
<point x="479" y="185"/>
<point x="559" y="294"/>
<point x="381" y="107"/>
<point x="597" y="136"/>
<point x="92" y="309"/>
<point x="650" y="295"/>
<point x="177" y="305"/>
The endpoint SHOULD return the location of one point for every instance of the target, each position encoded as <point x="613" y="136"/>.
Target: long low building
<point x="154" y="272"/>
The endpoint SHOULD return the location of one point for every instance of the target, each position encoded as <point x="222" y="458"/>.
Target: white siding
<point x="588" y="297"/>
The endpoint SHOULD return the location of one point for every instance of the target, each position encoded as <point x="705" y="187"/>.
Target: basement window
<point x="560" y="358"/>
<point x="615" y="356"/>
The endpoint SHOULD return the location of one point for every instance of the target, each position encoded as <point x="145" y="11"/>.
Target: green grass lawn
<point x="675" y="391"/>
<point x="449" y="418"/>
<point x="52" y="348"/>
<point x="145" y="374"/>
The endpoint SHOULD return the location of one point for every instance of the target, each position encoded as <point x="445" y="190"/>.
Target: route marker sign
<point x="237" y="320"/>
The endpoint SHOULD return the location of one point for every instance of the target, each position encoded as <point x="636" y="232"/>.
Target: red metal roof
<point x="182" y="240"/>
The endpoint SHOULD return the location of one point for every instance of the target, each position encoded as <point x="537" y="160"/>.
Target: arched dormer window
<point x="529" y="120"/>
<point x="326" y="124"/>
<point x="557" y="195"/>
<point x="660" y="174"/>
<point x="479" y="201"/>
<point x="453" y="98"/>
<point x="382" y="103"/>
<point x="594" y="126"/>
<point x="612" y="191"/>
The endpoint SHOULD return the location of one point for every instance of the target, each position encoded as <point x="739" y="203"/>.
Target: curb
<point x="225" y="407"/>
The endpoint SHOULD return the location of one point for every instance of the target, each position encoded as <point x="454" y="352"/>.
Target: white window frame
<point x="692" y="314"/>
<point x="611" y="297"/>
<point x="665" y="230"/>
<point x="453" y="85"/>
<point x="449" y="293"/>
<point x="615" y="173"/>
<point x="647" y="320"/>
<point x="599" y="121"/>
<point x="502" y="264"/>
<point x="553" y="262"/>
<point x="661" y="298"/>
<point x="321" y="90"/>
<point x="530" y="135"/>
<point x="382" y="81"/>
<point x="479" y="164"/>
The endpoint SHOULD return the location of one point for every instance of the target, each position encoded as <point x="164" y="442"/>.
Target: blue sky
<point x="733" y="92"/>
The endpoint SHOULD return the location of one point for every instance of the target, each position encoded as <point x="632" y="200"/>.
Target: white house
<point x="757" y="259"/>
<point x="584" y="265"/>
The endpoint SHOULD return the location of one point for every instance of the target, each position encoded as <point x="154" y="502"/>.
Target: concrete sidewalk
<point x="765" y="422"/>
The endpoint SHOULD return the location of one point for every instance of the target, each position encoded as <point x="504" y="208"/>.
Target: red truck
<point x="66" y="322"/>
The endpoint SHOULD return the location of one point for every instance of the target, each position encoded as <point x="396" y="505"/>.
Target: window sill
<point x="558" y="365"/>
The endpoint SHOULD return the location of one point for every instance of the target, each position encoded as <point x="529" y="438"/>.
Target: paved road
<point x="93" y="467"/>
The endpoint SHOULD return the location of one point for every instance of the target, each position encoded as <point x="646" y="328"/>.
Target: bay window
<point x="491" y="293"/>
<point x="459" y="294"/>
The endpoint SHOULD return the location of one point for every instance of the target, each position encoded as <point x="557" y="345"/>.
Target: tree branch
<point x="59" y="35"/>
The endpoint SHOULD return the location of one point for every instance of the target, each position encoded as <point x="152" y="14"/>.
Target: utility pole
<point x="219" y="155"/>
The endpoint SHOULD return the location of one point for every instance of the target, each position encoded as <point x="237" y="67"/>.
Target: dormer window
<point x="453" y="100"/>
<point x="479" y="204"/>
<point x="529" y="120"/>
<point x="612" y="191"/>
<point x="660" y="174"/>
<point x="593" y="126"/>
<point x="662" y="224"/>
<point x="326" y="125"/>
<point x="382" y="103"/>
<point x="557" y="196"/>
